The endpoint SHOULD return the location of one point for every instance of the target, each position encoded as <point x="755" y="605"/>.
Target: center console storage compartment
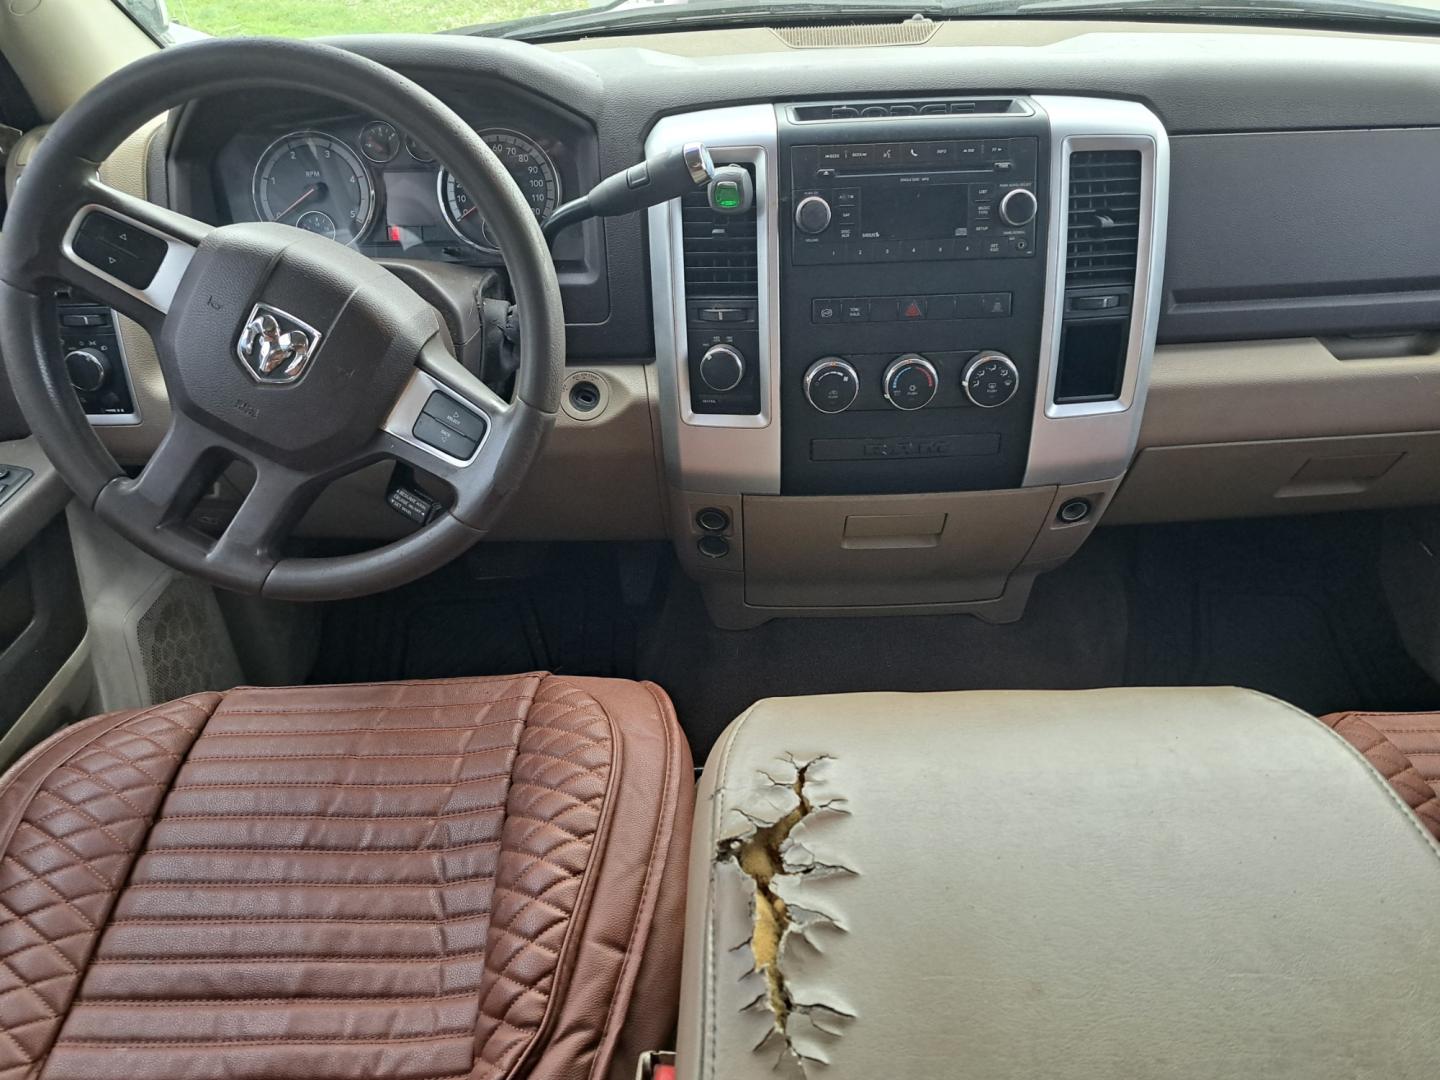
<point x="909" y="549"/>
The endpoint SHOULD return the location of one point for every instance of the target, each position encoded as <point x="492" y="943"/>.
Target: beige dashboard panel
<point x="596" y="479"/>
<point x="1290" y="389"/>
<point x="1255" y="428"/>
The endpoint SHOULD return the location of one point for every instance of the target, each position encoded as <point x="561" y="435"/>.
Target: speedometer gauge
<point x="314" y="181"/>
<point x="530" y="167"/>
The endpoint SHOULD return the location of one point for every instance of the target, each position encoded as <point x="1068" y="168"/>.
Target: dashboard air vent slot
<point x="914" y="31"/>
<point x="721" y="250"/>
<point x="1104" y="217"/>
<point x="877" y="110"/>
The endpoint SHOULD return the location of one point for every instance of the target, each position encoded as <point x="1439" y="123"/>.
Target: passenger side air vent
<point x="720" y="250"/>
<point x="1104" y="218"/>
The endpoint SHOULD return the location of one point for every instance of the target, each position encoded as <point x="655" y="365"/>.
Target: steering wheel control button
<point x="831" y="385"/>
<point x="991" y="380"/>
<point x="456" y="417"/>
<point x="713" y="547"/>
<point x="1074" y="511"/>
<point x="1018" y="207"/>
<point x="712" y="519"/>
<point x="911" y="382"/>
<point x="447" y="440"/>
<point x="89" y="369"/>
<point x="116" y="247"/>
<point x="722" y="368"/>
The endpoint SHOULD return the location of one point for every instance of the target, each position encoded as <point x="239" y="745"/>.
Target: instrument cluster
<point x="363" y="182"/>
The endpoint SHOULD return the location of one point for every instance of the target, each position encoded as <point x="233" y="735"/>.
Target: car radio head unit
<point x="918" y="201"/>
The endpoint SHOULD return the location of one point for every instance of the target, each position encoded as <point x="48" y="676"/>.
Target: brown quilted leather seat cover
<point x="1405" y="749"/>
<point x="467" y="878"/>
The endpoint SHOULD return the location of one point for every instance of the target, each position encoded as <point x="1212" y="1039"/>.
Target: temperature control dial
<point x="831" y="385"/>
<point x="721" y="368"/>
<point x="910" y="382"/>
<point x="991" y="379"/>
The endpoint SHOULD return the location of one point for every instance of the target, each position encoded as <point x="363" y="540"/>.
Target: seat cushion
<point x="1405" y="748"/>
<point x="461" y="878"/>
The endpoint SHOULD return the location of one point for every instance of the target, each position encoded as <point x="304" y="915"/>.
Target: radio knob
<point x="991" y="379"/>
<point x="1019" y="207"/>
<point x="88" y="369"/>
<point x="831" y="385"/>
<point x="721" y="368"/>
<point x="910" y="382"/>
<point x="812" y="215"/>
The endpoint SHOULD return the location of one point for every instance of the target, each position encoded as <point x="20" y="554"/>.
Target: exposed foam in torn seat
<point x="772" y="848"/>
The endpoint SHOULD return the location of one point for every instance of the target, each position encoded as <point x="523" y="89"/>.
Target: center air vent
<point x="720" y="250"/>
<point x="1104" y="218"/>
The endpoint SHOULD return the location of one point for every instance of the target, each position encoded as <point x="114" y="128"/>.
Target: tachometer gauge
<point x="531" y="169"/>
<point x="309" y="179"/>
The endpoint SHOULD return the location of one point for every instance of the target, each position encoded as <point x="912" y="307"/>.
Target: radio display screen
<point x="913" y="211"/>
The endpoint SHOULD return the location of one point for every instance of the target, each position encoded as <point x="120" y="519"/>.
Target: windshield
<point x="182" y="20"/>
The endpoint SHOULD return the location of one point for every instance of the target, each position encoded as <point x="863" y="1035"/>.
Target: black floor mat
<point x="565" y="614"/>
<point x="1072" y="636"/>
<point x="1291" y="607"/>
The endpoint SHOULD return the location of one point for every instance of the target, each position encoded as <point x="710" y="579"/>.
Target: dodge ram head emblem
<point x="275" y="347"/>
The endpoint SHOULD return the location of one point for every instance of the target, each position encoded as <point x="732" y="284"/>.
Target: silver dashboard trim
<point x="729" y="454"/>
<point x="133" y="416"/>
<point x="1082" y="443"/>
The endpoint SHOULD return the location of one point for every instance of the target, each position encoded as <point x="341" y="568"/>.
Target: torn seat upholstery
<point x="465" y="878"/>
<point x="1147" y="882"/>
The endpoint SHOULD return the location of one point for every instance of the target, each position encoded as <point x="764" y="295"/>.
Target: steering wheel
<point x="280" y="348"/>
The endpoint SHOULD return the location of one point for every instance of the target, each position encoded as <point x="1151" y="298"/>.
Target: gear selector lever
<point x="657" y="179"/>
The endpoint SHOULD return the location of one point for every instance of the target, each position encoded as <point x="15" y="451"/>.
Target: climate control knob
<point x="910" y="382"/>
<point x="1018" y="207"/>
<point x="88" y="369"/>
<point x="812" y="215"/>
<point x="991" y="379"/>
<point x="721" y="368"/>
<point x="831" y="385"/>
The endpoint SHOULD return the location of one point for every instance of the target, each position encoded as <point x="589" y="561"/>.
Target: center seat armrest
<point x="1097" y="884"/>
